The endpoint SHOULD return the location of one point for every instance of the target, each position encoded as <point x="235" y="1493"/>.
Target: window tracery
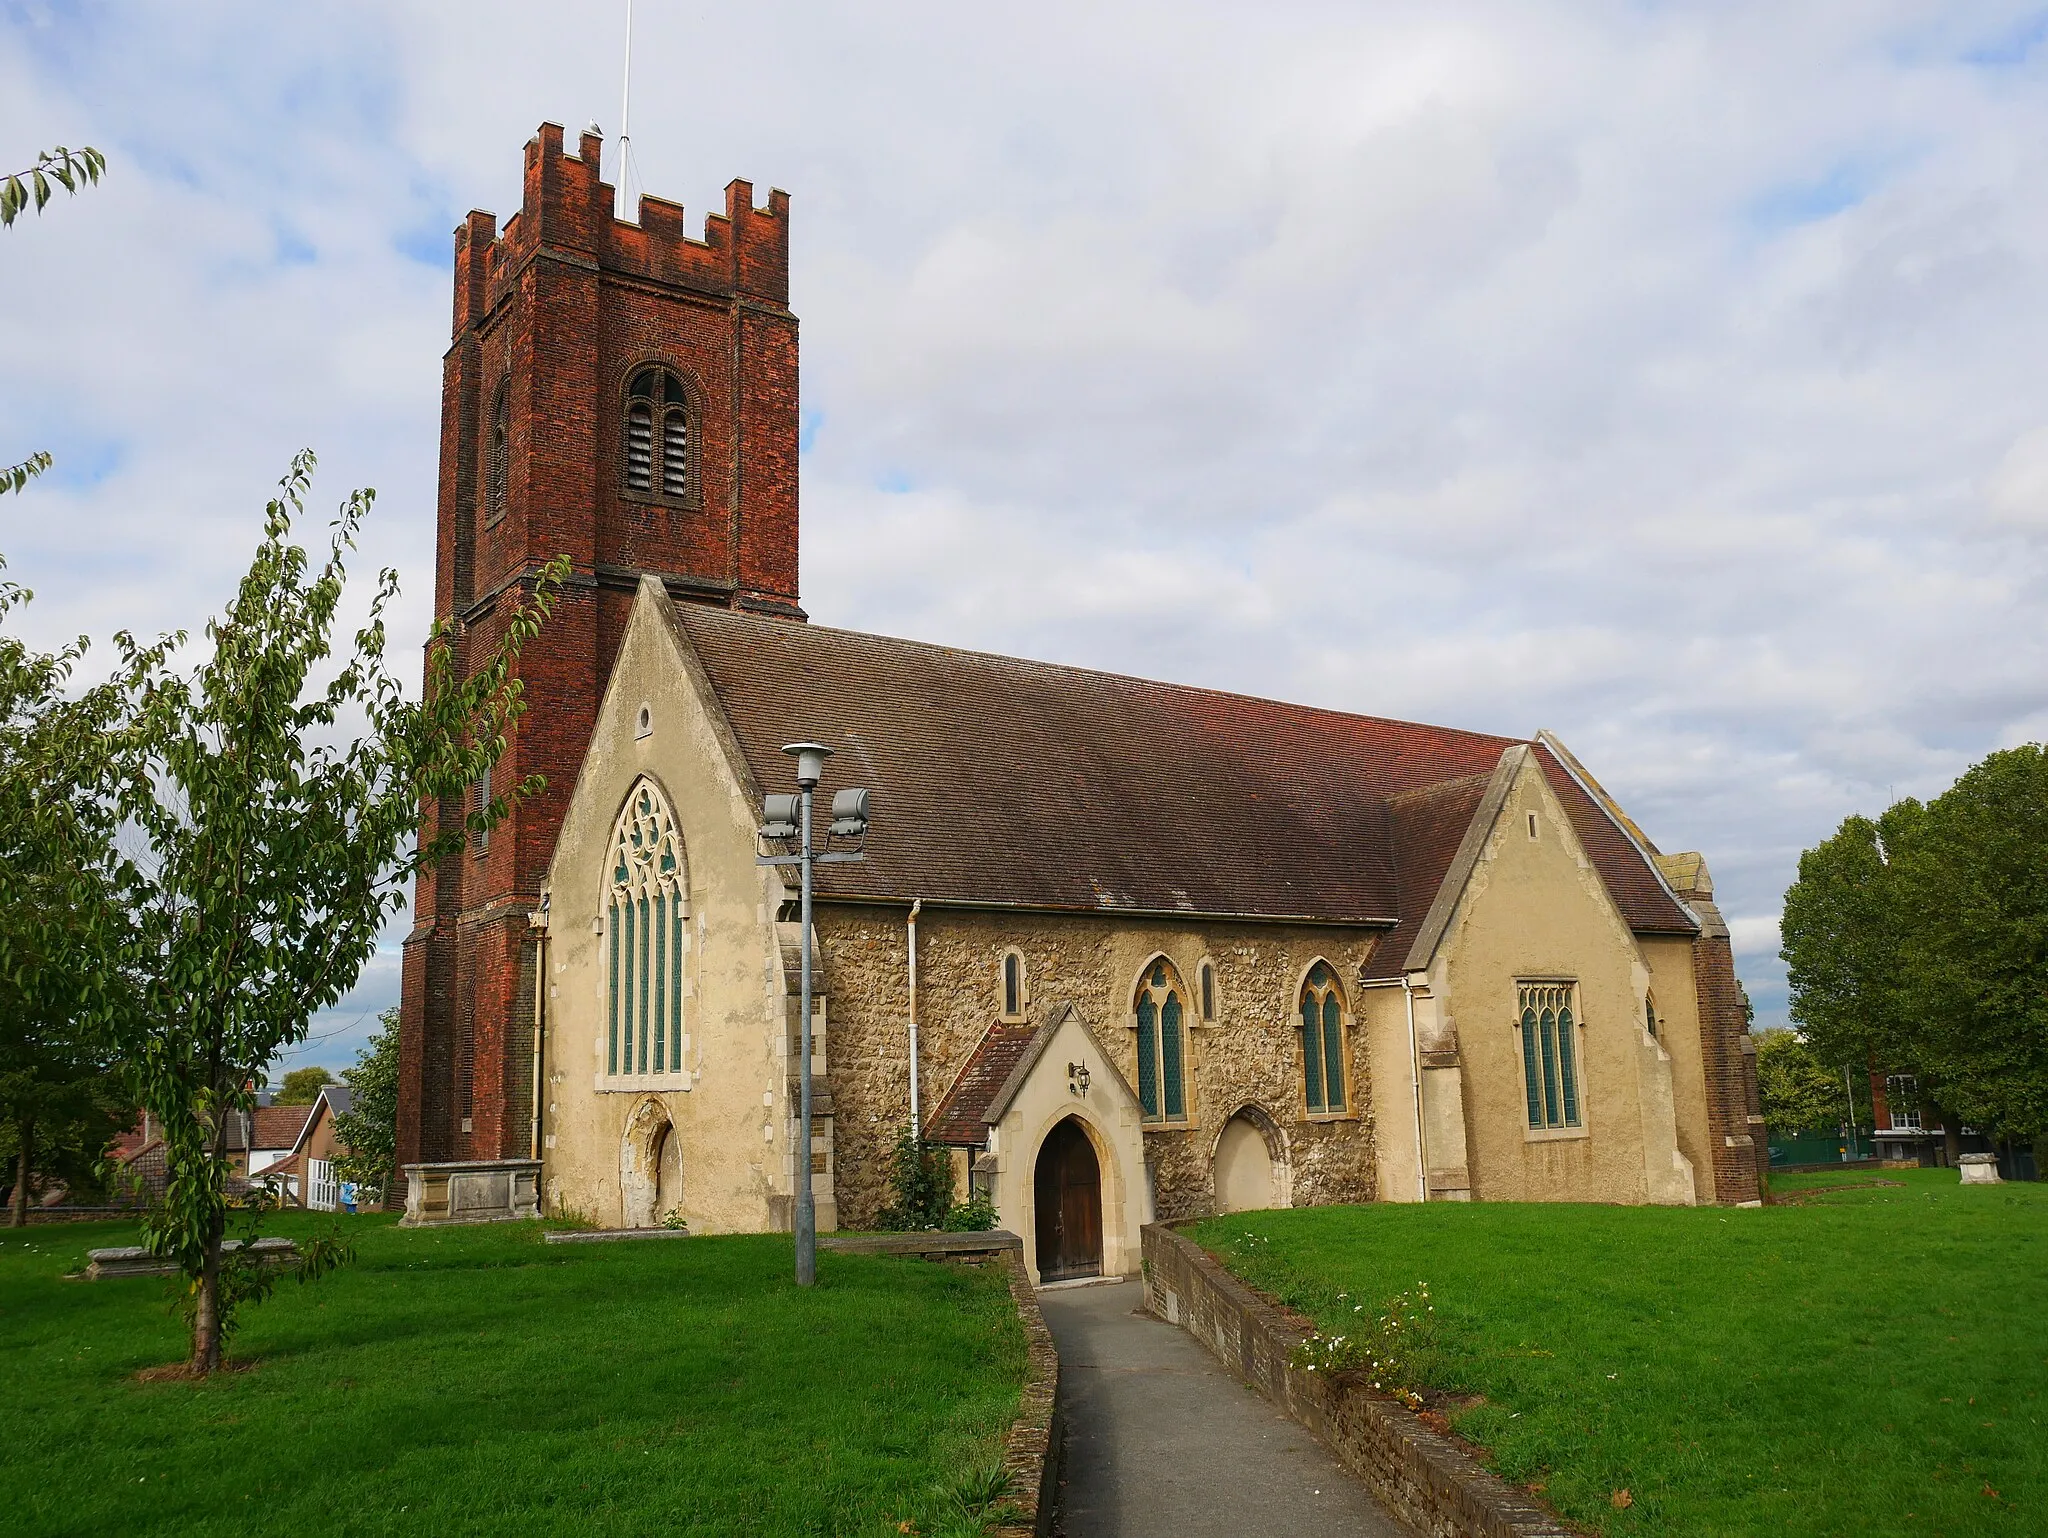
<point x="646" y="936"/>
<point x="1162" y="1045"/>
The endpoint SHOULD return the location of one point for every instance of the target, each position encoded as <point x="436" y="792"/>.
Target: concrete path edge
<point x="1426" y="1479"/>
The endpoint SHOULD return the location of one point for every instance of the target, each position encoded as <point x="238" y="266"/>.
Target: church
<point x="1134" y="951"/>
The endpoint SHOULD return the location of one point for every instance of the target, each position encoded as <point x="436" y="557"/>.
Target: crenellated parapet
<point x="567" y="209"/>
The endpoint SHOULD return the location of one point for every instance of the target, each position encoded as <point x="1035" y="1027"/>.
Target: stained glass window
<point x="647" y="939"/>
<point x="1550" y="1055"/>
<point x="1322" y="1041"/>
<point x="1162" y="1046"/>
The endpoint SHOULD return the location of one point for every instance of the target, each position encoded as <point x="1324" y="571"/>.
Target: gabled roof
<point x="278" y="1126"/>
<point x="959" y="1121"/>
<point x="1003" y="782"/>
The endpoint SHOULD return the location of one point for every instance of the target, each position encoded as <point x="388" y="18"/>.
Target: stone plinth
<point x="1979" y="1169"/>
<point x="471" y="1191"/>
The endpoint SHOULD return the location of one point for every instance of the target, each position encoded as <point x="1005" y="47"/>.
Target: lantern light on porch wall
<point x="786" y="820"/>
<point x="1077" y="1078"/>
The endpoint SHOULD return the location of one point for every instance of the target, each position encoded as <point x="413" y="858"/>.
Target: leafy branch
<point x="55" y="168"/>
<point x="14" y="477"/>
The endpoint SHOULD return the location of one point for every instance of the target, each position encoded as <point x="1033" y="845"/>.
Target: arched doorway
<point x="667" y="1159"/>
<point x="1244" y="1168"/>
<point x="1069" y="1205"/>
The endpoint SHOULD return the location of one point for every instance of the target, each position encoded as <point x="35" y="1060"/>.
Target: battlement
<point x="567" y="210"/>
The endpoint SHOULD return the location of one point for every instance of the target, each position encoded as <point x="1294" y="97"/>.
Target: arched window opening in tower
<point x="658" y="435"/>
<point x="646" y="935"/>
<point x="500" y="452"/>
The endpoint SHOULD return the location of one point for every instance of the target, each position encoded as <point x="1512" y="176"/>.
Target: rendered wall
<point x="732" y="1118"/>
<point x="1535" y="908"/>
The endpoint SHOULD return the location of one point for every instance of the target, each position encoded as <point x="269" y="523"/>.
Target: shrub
<point x="976" y="1215"/>
<point x="922" y="1181"/>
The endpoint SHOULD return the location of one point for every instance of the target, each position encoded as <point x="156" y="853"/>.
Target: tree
<point x="1799" y="1091"/>
<point x="302" y="1086"/>
<point x="1974" y="877"/>
<point x="55" y="168"/>
<point x="275" y="816"/>
<point x="370" y="1129"/>
<point x="61" y="1101"/>
<point x="1918" y="943"/>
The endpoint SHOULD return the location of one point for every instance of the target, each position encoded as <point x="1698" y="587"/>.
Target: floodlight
<point x="849" y="814"/>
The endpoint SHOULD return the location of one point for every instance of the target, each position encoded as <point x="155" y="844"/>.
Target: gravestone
<point x="1979" y="1169"/>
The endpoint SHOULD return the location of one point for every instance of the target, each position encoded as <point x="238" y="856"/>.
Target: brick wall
<point x="558" y="310"/>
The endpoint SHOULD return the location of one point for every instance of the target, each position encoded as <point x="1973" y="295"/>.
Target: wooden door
<point x="1069" y="1205"/>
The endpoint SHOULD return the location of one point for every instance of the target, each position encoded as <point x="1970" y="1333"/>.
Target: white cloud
<point x="1666" y="376"/>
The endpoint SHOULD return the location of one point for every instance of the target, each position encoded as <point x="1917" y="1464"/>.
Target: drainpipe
<point x="539" y="920"/>
<point x="916" y="1122"/>
<point x="1415" y="1074"/>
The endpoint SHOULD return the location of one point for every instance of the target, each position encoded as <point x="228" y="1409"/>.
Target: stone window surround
<point x="674" y="1076"/>
<point x="1003" y="1012"/>
<point x="1346" y="1028"/>
<point x="1208" y="993"/>
<point x="1190" y="1116"/>
<point x="1585" y="1127"/>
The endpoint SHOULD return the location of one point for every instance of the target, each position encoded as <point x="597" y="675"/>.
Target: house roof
<point x="960" y="1118"/>
<point x="278" y="1126"/>
<point x="1005" y="782"/>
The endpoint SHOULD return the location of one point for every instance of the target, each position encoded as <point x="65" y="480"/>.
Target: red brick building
<point x="625" y="395"/>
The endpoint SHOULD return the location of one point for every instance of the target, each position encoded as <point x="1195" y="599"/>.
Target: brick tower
<point x="625" y="396"/>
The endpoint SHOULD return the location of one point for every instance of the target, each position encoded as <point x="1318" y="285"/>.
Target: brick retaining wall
<point x="1426" y="1479"/>
<point x="1031" y="1451"/>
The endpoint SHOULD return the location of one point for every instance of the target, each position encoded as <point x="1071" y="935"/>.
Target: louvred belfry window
<point x="1162" y="1045"/>
<point x="646" y="939"/>
<point x="1322" y="1042"/>
<point x="500" y="452"/>
<point x="658" y="435"/>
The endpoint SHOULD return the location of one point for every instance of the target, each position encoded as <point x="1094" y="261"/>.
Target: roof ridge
<point x="692" y="611"/>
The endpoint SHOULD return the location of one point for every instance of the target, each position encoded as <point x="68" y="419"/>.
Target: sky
<point x="1664" y="375"/>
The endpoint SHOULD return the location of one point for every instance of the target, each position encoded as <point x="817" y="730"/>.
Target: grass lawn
<point x="473" y="1380"/>
<point x="1870" y="1361"/>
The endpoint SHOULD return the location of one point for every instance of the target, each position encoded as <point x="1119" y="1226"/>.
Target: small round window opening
<point x="643" y="723"/>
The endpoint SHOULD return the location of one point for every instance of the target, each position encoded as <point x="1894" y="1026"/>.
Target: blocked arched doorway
<point x="1244" y="1169"/>
<point x="1068" y="1187"/>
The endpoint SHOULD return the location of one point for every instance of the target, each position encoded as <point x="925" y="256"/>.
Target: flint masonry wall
<point x="1250" y="1056"/>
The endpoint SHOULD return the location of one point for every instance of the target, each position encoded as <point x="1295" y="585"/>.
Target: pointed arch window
<point x="1322" y="1042"/>
<point x="1550" y="1056"/>
<point x="1013" y="985"/>
<point x="646" y="938"/>
<point x="498" y="454"/>
<point x="660" y="437"/>
<point x="1162" y="1045"/>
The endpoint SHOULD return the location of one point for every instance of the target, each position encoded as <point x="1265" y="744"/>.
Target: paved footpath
<point x="1162" y="1441"/>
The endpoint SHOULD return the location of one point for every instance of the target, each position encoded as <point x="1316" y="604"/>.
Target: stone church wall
<point x="1250" y="1056"/>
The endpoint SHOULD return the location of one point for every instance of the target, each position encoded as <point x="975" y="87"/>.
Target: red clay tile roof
<point x="958" y="1120"/>
<point x="278" y="1126"/>
<point x="1425" y="828"/>
<point x="1009" y="782"/>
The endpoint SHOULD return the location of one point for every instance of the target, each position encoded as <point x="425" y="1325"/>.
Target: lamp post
<point x="786" y="820"/>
